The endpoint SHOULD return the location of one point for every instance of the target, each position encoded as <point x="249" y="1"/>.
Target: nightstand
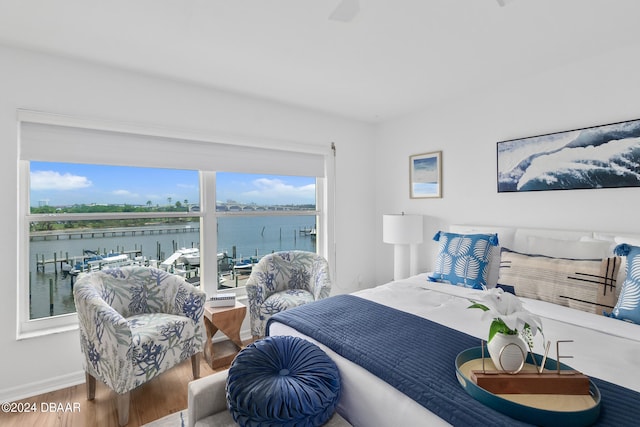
<point x="227" y="320"/>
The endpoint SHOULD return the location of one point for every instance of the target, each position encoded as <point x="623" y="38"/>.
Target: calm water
<point x="251" y="236"/>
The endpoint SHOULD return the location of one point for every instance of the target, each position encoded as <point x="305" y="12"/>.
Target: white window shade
<point x="52" y="142"/>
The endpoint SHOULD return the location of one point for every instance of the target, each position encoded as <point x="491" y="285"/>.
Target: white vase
<point x="508" y="352"/>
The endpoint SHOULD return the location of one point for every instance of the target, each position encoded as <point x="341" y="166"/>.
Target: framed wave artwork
<point x="425" y="175"/>
<point x="605" y="156"/>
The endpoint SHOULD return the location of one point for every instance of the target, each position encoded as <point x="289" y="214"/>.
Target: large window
<point x="260" y="214"/>
<point x="95" y="195"/>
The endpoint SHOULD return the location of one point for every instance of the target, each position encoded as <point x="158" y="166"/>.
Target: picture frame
<point x="604" y="156"/>
<point x="425" y="175"/>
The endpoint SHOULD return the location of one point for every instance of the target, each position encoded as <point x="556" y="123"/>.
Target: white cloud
<point x="124" y="193"/>
<point x="50" y="180"/>
<point x="277" y="191"/>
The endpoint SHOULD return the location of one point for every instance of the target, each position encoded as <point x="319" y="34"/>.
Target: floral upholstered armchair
<point x="135" y="323"/>
<point x="283" y="280"/>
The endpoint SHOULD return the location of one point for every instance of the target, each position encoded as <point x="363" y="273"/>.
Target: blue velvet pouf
<point x="282" y="381"/>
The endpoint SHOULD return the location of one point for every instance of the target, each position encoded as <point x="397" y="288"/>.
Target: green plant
<point x="508" y="315"/>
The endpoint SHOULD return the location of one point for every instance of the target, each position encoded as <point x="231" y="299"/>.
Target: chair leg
<point x="91" y="386"/>
<point x="195" y="365"/>
<point x="123" y="408"/>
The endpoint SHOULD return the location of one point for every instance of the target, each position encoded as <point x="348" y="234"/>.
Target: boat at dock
<point x="244" y="266"/>
<point x="94" y="261"/>
<point x="190" y="256"/>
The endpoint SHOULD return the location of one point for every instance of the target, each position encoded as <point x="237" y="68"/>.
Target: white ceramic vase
<point x="508" y="352"/>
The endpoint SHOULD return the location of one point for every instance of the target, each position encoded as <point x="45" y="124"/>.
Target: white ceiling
<point x="394" y="57"/>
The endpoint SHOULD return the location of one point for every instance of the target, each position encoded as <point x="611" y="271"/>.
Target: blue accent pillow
<point x="628" y="305"/>
<point x="282" y="381"/>
<point x="463" y="259"/>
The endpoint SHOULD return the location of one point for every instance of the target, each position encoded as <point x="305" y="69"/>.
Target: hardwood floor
<point x="69" y="407"/>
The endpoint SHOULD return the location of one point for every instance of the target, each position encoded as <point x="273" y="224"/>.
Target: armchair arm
<point x="105" y="339"/>
<point x="174" y="295"/>
<point x="259" y="286"/>
<point x="190" y="301"/>
<point x="206" y="396"/>
<point x="320" y="279"/>
<point x="183" y="299"/>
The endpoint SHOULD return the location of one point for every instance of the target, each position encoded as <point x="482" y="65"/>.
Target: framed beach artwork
<point x="425" y="175"/>
<point x="605" y="156"/>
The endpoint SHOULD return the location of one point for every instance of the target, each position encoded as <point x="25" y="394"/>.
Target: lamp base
<point x="400" y="262"/>
<point x="413" y="260"/>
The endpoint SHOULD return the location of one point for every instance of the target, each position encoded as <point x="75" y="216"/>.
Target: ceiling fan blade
<point x="346" y="11"/>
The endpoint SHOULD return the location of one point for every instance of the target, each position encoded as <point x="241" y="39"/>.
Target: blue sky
<point x="59" y="184"/>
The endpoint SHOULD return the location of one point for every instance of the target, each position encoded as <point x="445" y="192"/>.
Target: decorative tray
<point x="537" y="409"/>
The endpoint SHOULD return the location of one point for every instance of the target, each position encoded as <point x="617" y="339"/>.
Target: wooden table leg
<point x="208" y="346"/>
<point x="227" y="320"/>
<point x="230" y="325"/>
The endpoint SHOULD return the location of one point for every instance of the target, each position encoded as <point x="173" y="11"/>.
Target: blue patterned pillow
<point x="628" y="305"/>
<point x="282" y="381"/>
<point x="463" y="259"/>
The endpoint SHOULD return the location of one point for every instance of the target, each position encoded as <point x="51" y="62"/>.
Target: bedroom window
<point x="259" y="214"/>
<point x="94" y="194"/>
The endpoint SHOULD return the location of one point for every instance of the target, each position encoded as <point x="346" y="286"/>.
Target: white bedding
<point x="603" y="347"/>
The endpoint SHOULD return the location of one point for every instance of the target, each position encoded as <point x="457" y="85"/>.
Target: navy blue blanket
<point x="417" y="357"/>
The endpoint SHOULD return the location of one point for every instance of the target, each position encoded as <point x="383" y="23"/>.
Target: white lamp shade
<point x="400" y="229"/>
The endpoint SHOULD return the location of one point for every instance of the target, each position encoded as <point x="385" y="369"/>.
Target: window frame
<point x="29" y="328"/>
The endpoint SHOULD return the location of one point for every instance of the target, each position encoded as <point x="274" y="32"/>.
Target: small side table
<point x="227" y="320"/>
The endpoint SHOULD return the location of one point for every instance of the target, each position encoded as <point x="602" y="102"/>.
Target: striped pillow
<point x="587" y="285"/>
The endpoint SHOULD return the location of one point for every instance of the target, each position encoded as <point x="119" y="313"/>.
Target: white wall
<point x="45" y="83"/>
<point x="599" y="90"/>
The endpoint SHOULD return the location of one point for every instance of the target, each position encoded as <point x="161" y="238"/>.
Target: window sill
<point x="47" y="326"/>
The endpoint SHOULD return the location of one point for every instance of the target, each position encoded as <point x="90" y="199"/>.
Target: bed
<point x="604" y="348"/>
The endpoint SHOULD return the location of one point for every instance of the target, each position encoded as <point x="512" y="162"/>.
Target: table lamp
<point x="405" y="233"/>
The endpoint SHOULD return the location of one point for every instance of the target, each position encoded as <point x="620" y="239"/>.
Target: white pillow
<point x="633" y="241"/>
<point x="572" y="249"/>
<point x="612" y="237"/>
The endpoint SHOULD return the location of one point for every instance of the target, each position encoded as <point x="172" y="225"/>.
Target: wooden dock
<point x="111" y="232"/>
